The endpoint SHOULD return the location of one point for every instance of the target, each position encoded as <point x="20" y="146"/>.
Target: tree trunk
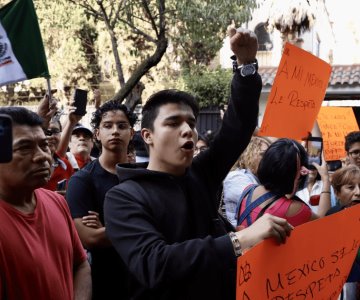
<point x="118" y="64"/>
<point x="141" y="70"/>
<point x="134" y="98"/>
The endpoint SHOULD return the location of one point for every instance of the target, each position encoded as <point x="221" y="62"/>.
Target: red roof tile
<point x="342" y="75"/>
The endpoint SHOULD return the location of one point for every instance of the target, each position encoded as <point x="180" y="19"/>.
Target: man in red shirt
<point x="41" y="256"/>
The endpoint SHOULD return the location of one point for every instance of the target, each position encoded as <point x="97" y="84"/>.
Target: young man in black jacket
<point x="163" y="220"/>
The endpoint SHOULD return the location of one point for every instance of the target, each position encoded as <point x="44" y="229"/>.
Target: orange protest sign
<point x="314" y="262"/>
<point x="296" y="96"/>
<point x="335" y="123"/>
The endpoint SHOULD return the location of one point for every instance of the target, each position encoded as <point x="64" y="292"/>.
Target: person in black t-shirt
<point x="113" y="130"/>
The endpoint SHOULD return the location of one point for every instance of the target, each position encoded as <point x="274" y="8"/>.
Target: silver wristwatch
<point x="248" y="69"/>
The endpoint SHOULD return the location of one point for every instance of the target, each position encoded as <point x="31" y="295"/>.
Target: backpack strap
<point x="242" y="197"/>
<point x="251" y="205"/>
<point x="267" y="206"/>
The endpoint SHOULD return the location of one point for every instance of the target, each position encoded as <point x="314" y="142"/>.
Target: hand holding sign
<point x="313" y="264"/>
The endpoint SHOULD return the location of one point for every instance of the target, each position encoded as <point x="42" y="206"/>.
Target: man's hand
<point x="92" y="220"/>
<point x="73" y="119"/>
<point x="267" y="226"/>
<point x="46" y="110"/>
<point x="243" y="43"/>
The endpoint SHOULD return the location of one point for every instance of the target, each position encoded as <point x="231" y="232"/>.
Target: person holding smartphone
<point x="61" y="167"/>
<point x="311" y="193"/>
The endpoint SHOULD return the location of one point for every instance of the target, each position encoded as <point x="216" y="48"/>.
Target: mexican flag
<point x="22" y="54"/>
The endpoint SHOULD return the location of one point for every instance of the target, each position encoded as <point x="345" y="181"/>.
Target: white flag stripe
<point x="10" y="69"/>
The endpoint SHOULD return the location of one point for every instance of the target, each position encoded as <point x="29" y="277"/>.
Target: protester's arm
<point x="92" y="220"/>
<point x="91" y="237"/>
<point x="81" y="268"/>
<point x="153" y="259"/>
<point x="267" y="226"/>
<point x="325" y="195"/>
<point x="82" y="281"/>
<point x="80" y="198"/>
<point x="47" y="111"/>
<point x="67" y="130"/>
<point x="240" y="118"/>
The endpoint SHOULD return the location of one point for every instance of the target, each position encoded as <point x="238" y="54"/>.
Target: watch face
<point x="247" y="70"/>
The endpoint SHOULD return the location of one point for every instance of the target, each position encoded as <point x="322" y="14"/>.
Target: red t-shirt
<point x="63" y="170"/>
<point x="38" y="251"/>
<point x="81" y="162"/>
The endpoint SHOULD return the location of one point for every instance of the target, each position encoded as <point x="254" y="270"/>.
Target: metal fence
<point x="209" y="119"/>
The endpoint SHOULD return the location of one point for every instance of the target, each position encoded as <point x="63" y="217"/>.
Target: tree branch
<point x="90" y="10"/>
<point x="117" y="13"/>
<point x="149" y="62"/>
<point x="143" y="68"/>
<point x="146" y="7"/>
<point x="113" y="38"/>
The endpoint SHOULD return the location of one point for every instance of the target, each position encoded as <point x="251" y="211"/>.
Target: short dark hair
<point x="22" y="116"/>
<point x="351" y="138"/>
<point x="278" y="167"/>
<point x="111" y="105"/>
<point x="151" y="108"/>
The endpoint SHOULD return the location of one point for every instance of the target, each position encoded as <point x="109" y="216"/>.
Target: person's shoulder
<point x="47" y="193"/>
<point x="48" y="197"/>
<point x="240" y="174"/>
<point x="89" y="169"/>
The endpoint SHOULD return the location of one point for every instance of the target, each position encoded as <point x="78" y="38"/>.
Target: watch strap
<point x="236" y="67"/>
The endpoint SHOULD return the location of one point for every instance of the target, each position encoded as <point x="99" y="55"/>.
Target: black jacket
<point x="166" y="228"/>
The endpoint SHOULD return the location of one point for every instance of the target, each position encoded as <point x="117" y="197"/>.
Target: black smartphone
<point x="5" y="139"/>
<point x="80" y="102"/>
<point x="334" y="165"/>
<point x="314" y="147"/>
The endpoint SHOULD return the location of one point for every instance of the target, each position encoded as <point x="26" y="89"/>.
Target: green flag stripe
<point x="20" y="22"/>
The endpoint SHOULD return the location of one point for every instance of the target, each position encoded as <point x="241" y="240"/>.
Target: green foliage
<point x="64" y="28"/>
<point x="210" y="87"/>
<point x="79" y="49"/>
<point x="200" y="26"/>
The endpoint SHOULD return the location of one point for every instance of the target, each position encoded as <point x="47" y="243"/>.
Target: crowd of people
<point x="141" y="219"/>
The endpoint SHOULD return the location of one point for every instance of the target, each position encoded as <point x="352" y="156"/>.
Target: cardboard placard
<point x="335" y="123"/>
<point x="296" y="95"/>
<point x="314" y="263"/>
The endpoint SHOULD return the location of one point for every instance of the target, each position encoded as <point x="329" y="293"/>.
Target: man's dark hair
<point x="111" y="105"/>
<point x="151" y="108"/>
<point x="22" y="116"/>
<point x="278" y="167"/>
<point x="352" y="138"/>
